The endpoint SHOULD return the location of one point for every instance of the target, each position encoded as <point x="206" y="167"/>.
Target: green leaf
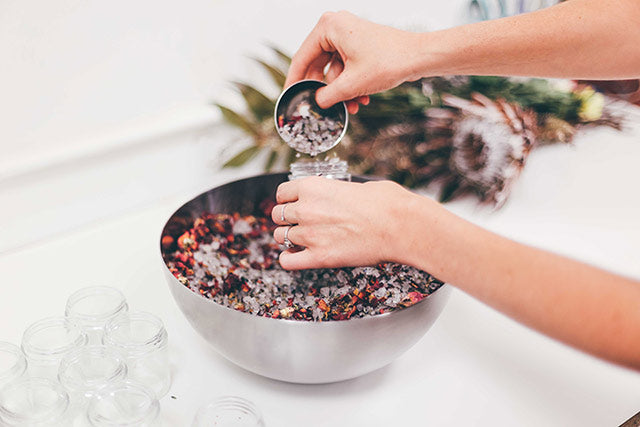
<point x="283" y="56"/>
<point x="242" y="157"/>
<point x="277" y="75"/>
<point x="271" y="160"/>
<point x="237" y="120"/>
<point x="260" y="105"/>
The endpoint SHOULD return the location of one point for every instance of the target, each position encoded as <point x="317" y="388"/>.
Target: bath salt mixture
<point x="306" y="131"/>
<point x="233" y="260"/>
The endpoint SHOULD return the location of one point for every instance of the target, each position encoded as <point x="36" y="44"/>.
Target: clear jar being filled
<point x="47" y="341"/>
<point x="333" y="168"/>
<point x="13" y="364"/>
<point x="34" y="402"/>
<point x="93" y="307"/>
<point x="144" y="341"/>
<point x="126" y="404"/>
<point x="86" y="370"/>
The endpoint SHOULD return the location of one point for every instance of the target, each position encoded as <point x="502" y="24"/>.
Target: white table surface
<point x="474" y="367"/>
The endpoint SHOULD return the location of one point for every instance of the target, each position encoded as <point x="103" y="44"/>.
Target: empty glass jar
<point x="34" y="402"/>
<point x="13" y="364"/>
<point x="45" y="343"/>
<point x="229" y="411"/>
<point x="126" y="404"/>
<point x="144" y="342"/>
<point x="86" y="370"/>
<point x="93" y="307"/>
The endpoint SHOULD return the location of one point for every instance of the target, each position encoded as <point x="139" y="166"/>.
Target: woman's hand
<point x="363" y="58"/>
<point x="342" y="223"/>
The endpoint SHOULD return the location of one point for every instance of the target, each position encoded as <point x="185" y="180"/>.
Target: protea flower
<point x="490" y="144"/>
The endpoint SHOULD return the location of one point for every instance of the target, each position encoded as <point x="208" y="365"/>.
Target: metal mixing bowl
<point x="290" y="350"/>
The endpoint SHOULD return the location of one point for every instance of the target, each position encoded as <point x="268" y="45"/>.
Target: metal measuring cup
<point x="303" y="125"/>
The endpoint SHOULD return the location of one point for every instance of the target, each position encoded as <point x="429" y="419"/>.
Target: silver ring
<point x="282" y="213"/>
<point x="287" y="242"/>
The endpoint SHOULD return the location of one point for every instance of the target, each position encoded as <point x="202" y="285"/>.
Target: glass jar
<point x="93" y="307"/>
<point x="144" y="342"/>
<point x="86" y="370"/>
<point x="13" y="364"/>
<point x="34" y="402"/>
<point x="124" y="405"/>
<point x="231" y="411"/>
<point x="333" y="168"/>
<point x="45" y="343"/>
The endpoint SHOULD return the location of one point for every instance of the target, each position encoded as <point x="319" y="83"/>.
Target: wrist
<point x="413" y="221"/>
<point x="438" y="53"/>
<point x="429" y="235"/>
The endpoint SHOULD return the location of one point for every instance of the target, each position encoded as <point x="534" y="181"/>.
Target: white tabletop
<point x="474" y="367"/>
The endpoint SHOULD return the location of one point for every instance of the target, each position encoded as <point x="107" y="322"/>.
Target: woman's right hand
<point x="364" y="58"/>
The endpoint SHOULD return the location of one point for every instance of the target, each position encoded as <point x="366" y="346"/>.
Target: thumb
<point x="341" y="89"/>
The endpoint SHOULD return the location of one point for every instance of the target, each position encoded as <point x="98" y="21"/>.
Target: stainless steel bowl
<point x="289" y="350"/>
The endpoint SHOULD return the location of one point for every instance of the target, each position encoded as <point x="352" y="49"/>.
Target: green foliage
<point x="286" y="59"/>
<point x="277" y="74"/>
<point x="237" y="120"/>
<point x="242" y="157"/>
<point x="404" y="103"/>
<point x="259" y="104"/>
<point x="257" y="121"/>
<point x="535" y="94"/>
<point x="448" y="191"/>
<point x="271" y="160"/>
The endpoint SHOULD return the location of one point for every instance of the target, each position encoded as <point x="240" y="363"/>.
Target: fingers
<point x="352" y="107"/>
<point x="287" y="192"/>
<point x="364" y="100"/>
<point x="336" y="67"/>
<point x="310" y="50"/>
<point x="297" y="260"/>
<point x="285" y="214"/>
<point x="334" y="71"/>
<point x="316" y="68"/>
<point x="296" y="234"/>
<point x="341" y="89"/>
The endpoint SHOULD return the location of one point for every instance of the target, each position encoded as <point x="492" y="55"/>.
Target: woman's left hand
<point x="341" y="223"/>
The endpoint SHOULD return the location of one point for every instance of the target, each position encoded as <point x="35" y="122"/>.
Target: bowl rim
<point x="175" y="281"/>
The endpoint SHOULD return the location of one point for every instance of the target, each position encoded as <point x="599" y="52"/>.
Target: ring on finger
<point x="282" y="218"/>
<point x="287" y="242"/>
